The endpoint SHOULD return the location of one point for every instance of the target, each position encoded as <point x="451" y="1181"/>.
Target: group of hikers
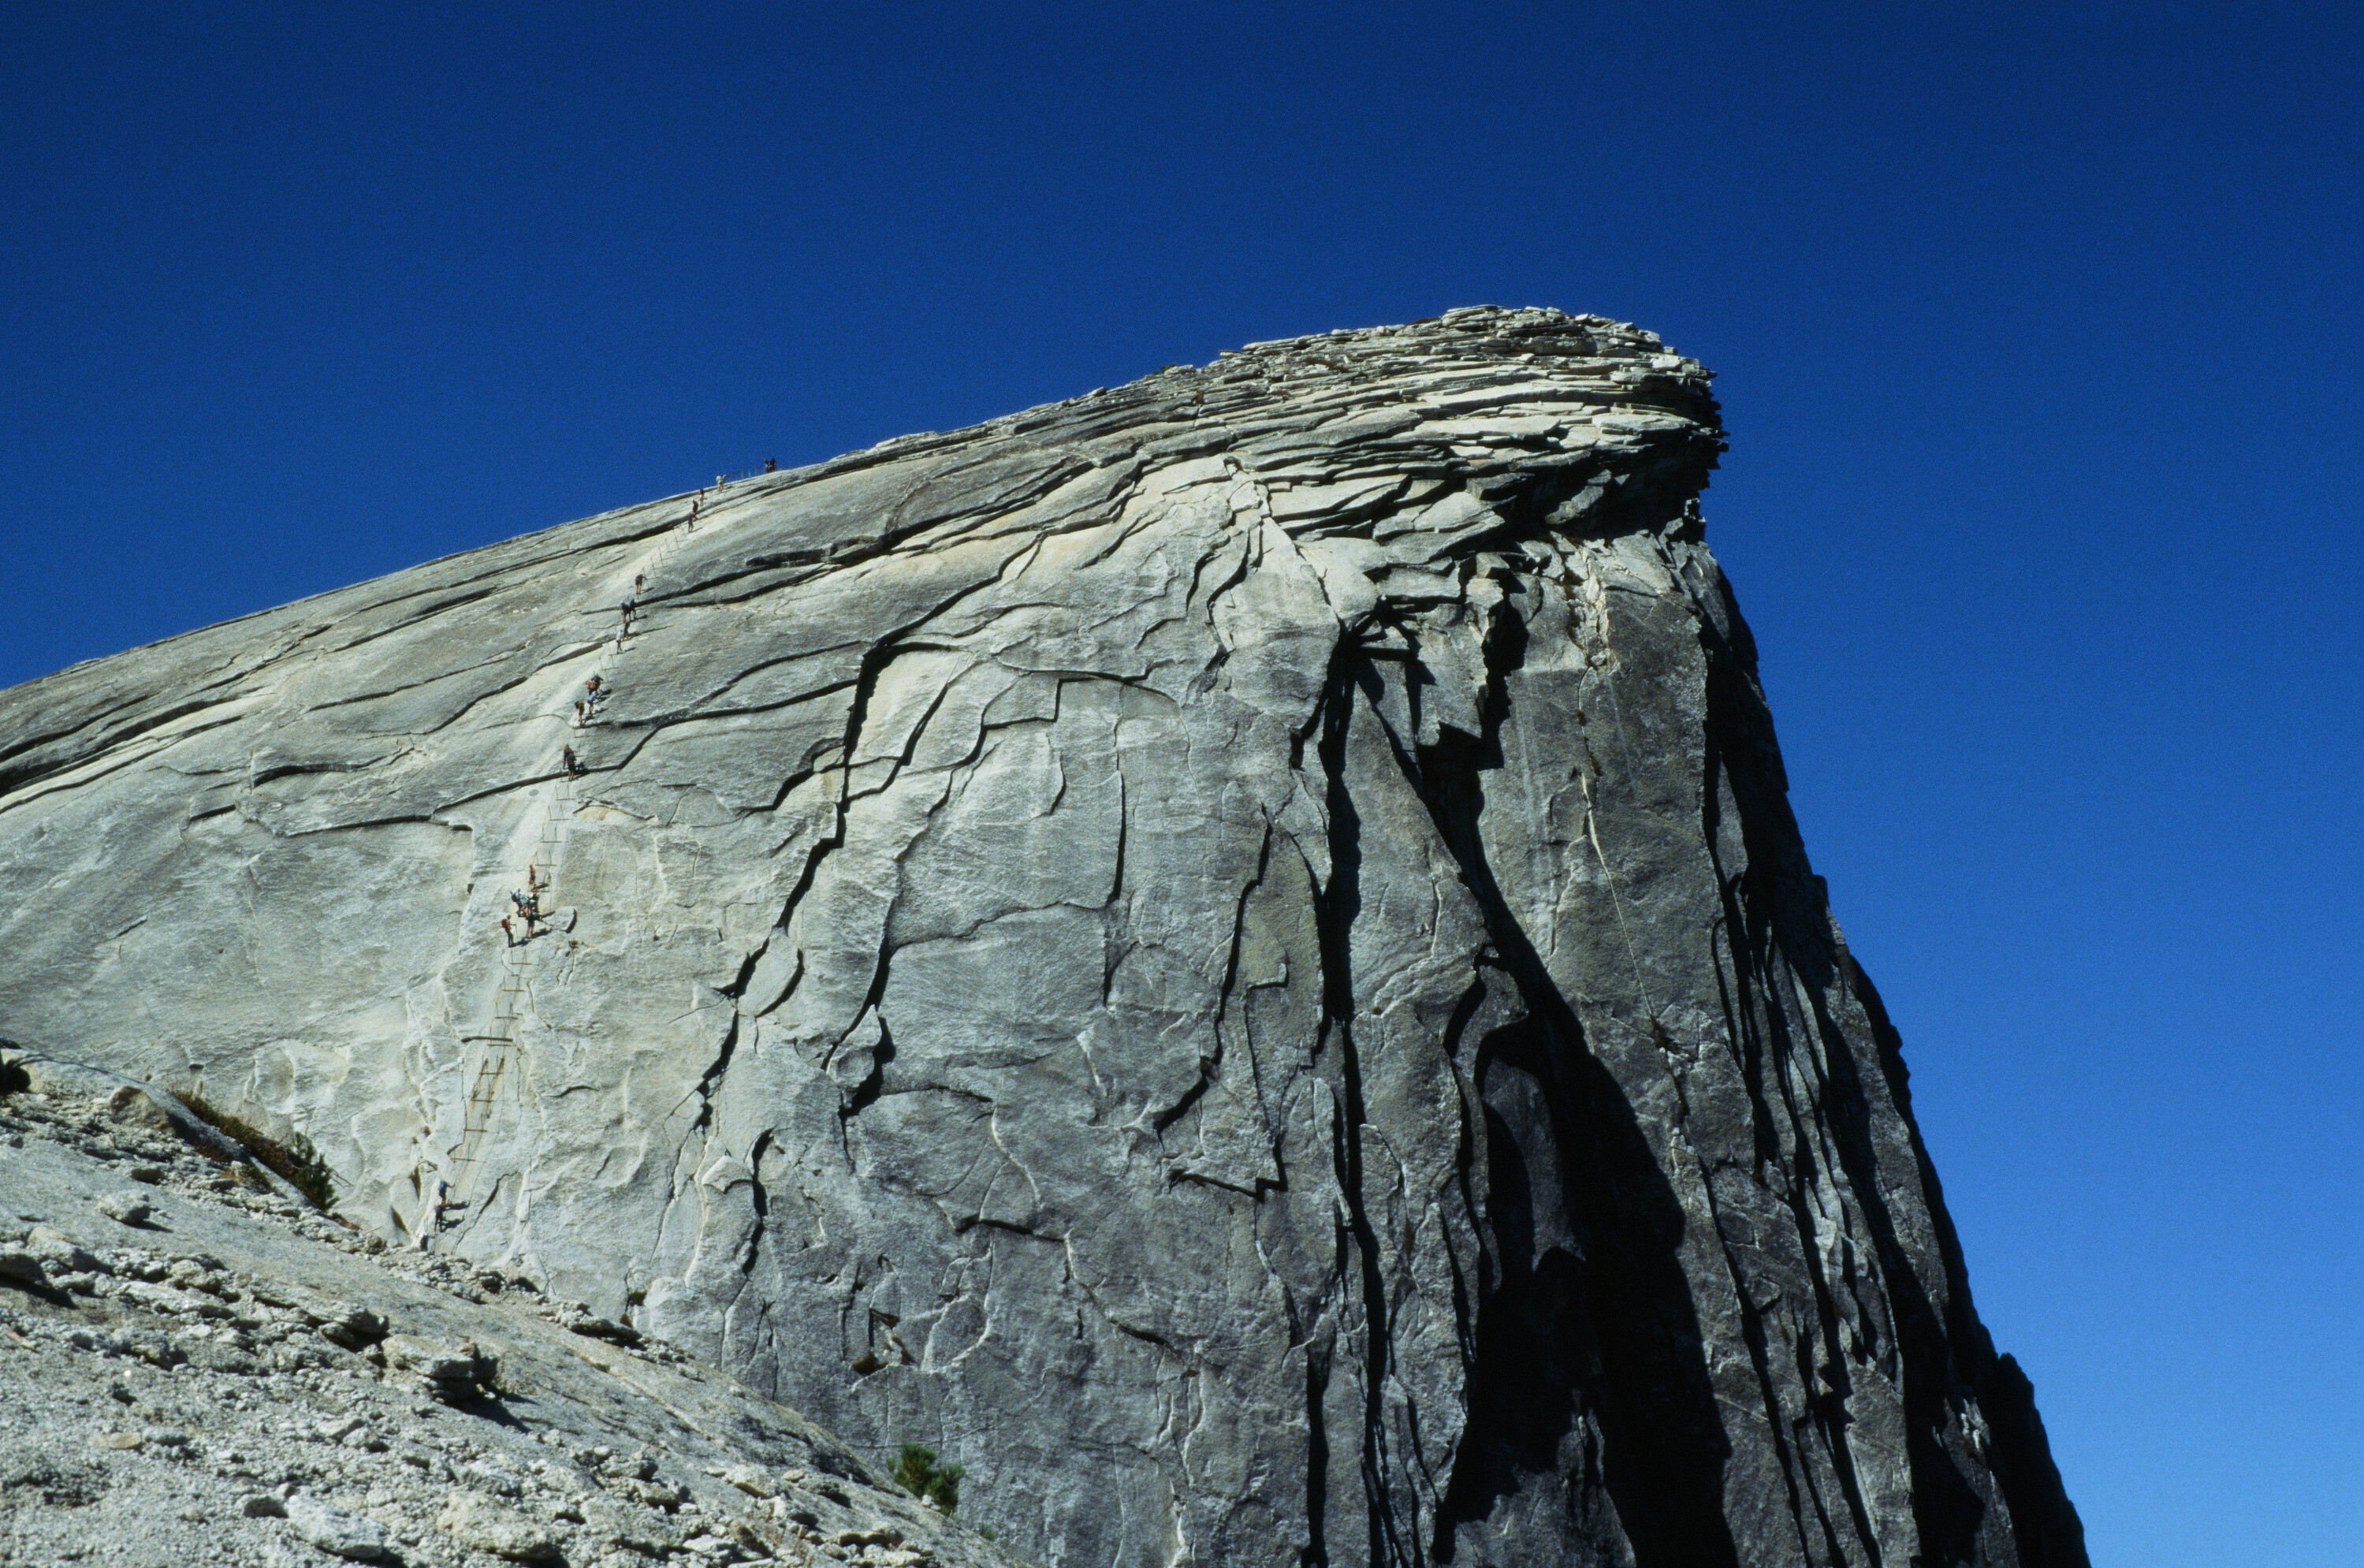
<point x="527" y="913"/>
<point x="527" y="909"/>
<point x="443" y="1202"/>
<point x="632" y="608"/>
<point x="588" y="707"/>
<point x="526" y="903"/>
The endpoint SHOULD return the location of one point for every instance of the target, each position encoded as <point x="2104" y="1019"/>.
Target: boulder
<point x="337" y="1531"/>
<point x="130" y="1208"/>
<point x="481" y="1524"/>
<point x="449" y="1373"/>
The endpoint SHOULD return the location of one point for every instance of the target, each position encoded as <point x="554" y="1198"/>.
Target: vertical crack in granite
<point x="1661" y="1445"/>
<point x="1340" y="903"/>
<point x="1229" y="953"/>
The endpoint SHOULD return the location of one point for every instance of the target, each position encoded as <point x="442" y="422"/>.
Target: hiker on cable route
<point x="573" y="769"/>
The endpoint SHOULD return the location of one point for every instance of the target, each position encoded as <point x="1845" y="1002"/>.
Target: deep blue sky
<point x="2039" y="338"/>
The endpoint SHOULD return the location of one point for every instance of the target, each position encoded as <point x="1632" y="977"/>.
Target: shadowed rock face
<point x="1229" y="953"/>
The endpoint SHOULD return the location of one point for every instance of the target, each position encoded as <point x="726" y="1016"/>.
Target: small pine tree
<point x="919" y="1473"/>
<point x="295" y="1161"/>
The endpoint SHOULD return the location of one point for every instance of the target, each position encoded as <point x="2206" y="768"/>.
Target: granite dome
<point x="1230" y="950"/>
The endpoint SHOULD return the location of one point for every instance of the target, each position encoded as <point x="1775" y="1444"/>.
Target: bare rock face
<point x="1228" y="954"/>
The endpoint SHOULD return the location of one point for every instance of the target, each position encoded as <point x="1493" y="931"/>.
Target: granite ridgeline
<point x="1228" y="955"/>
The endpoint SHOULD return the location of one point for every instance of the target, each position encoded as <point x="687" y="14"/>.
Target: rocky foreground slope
<point x="195" y="1368"/>
<point x="1229" y="953"/>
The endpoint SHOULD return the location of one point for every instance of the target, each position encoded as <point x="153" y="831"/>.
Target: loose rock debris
<point x="230" y="1377"/>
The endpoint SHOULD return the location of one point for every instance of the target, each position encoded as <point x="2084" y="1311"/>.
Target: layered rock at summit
<point x="1228" y="953"/>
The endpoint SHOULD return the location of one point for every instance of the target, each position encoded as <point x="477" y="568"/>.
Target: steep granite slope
<point x="1230" y="951"/>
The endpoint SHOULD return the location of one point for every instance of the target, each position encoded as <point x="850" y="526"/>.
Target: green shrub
<point x="296" y="1160"/>
<point x="919" y="1473"/>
